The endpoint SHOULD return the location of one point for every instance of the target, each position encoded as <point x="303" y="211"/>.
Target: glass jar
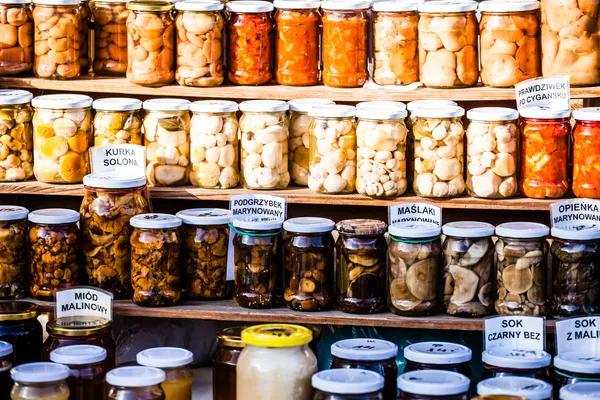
<point x="117" y="121"/>
<point x="199" y="43"/>
<point x="54" y="246"/>
<point x="13" y="252"/>
<point x="438" y="356"/>
<point x="299" y="142"/>
<point x="16" y="48"/>
<point x="6" y="358"/>
<point x="249" y="42"/>
<point x="85" y="16"/>
<point x="468" y="263"/>
<point x="433" y="385"/>
<point x="377" y="104"/>
<point x="155" y="263"/>
<point x="151" y="43"/>
<point x="415" y="269"/>
<point x="205" y="240"/>
<point x="529" y="388"/>
<point x="264" y="140"/>
<point x="136" y="383"/>
<point x="16" y="143"/>
<point x="108" y="204"/>
<point x="345" y="42"/>
<point x="214" y="144"/>
<point x="580" y="390"/>
<point x="368" y="354"/>
<point x="506" y="361"/>
<point x="347" y="384"/>
<point x="86" y="376"/>
<point x="62" y="135"/>
<point x="276" y="363"/>
<point x="40" y="381"/>
<point x="166" y="128"/>
<point x="110" y="37"/>
<point x="574" y="368"/>
<point x="413" y="105"/>
<point x="448" y="56"/>
<point x="224" y="362"/>
<point x="395" y="59"/>
<point x="521" y="268"/>
<point x="309" y="264"/>
<point x="438" y="151"/>
<point x="19" y="326"/>
<point x="297" y="42"/>
<point x="175" y="362"/>
<point x="332" y="149"/>
<point x="586" y="152"/>
<point x="544" y="152"/>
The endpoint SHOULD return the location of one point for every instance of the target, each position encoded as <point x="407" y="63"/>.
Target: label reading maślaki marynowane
<point x="514" y="331"/>
<point x="84" y="301"/>
<point x="578" y="334"/>
<point x="415" y="212"/>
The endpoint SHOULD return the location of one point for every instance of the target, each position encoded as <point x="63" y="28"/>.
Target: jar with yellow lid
<point x="175" y="362"/>
<point x="224" y="362"/>
<point x="13" y="252"/>
<point x="117" y="121"/>
<point x="136" y="382"/>
<point x="16" y="139"/>
<point x="40" y="381"/>
<point x="16" y="48"/>
<point x="19" y="326"/>
<point x="110" y="37"/>
<point x="276" y="363"/>
<point x="86" y="377"/>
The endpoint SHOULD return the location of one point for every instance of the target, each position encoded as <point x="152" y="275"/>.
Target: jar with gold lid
<point x="224" y="362"/>
<point x="19" y="326"/>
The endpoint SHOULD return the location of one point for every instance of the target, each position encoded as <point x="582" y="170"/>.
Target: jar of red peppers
<point x="544" y="152"/>
<point x="249" y="42"/>
<point x="586" y="152"/>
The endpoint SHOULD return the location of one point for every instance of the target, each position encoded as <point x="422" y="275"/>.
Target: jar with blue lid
<point x="580" y="391"/>
<point x="508" y="361"/>
<point x="575" y="367"/>
<point x="347" y="384"/>
<point x="529" y="388"/>
<point x="433" y="385"/>
<point x="439" y="356"/>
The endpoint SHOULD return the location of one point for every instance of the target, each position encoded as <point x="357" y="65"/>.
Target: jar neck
<point x="114" y="190"/>
<point x="549" y="121"/>
<point x="414" y="240"/>
<point x="255" y="232"/>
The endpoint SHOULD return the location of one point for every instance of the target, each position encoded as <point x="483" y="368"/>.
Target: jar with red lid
<point x="507" y="361"/>
<point x="575" y="367"/>
<point x="438" y="356"/>
<point x="521" y="387"/>
<point x="433" y="385"/>
<point x="586" y="153"/>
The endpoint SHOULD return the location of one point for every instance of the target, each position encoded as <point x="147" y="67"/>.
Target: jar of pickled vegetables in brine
<point x="413" y="105"/>
<point x="40" y="381"/>
<point x="249" y="42"/>
<point x="16" y="48"/>
<point x="136" y="382"/>
<point x="544" y="152"/>
<point x="175" y="362"/>
<point x="16" y="135"/>
<point x="110" y="37"/>
<point x="117" y="121"/>
<point x="13" y="252"/>
<point x="586" y="153"/>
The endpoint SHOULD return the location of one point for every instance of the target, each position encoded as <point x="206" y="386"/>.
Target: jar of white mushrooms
<point x="438" y="153"/>
<point x="264" y="139"/>
<point x="381" y="152"/>
<point x="166" y="129"/>
<point x="413" y="105"/>
<point x="299" y="138"/>
<point x="332" y="161"/>
<point x="16" y="135"/>
<point x="214" y="144"/>
<point x="117" y="121"/>
<point x="492" y="152"/>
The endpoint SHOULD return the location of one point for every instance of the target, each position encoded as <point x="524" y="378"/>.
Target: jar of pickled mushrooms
<point x="438" y="152"/>
<point x="529" y="388"/>
<point x="309" y="264"/>
<point x="492" y="138"/>
<point x="16" y="46"/>
<point x="224" y="362"/>
<point x="166" y="128"/>
<point x="16" y="135"/>
<point x="586" y="152"/>
<point x="347" y="384"/>
<point x="13" y="252"/>
<point x="381" y="104"/>
<point x="62" y="135"/>
<point x="86" y="370"/>
<point x="521" y="260"/>
<point x="155" y="263"/>
<point x="438" y="355"/>
<point x="214" y="144"/>
<point x="433" y="385"/>
<point x="175" y="362"/>
<point x="40" y="380"/>
<point x="413" y="105"/>
<point x="448" y="44"/>
<point x="54" y="245"/>
<point x="264" y="140"/>
<point x="85" y="16"/>
<point x="257" y="256"/>
<point x="117" y="121"/>
<point x="150" y="43"/>
<point x="298" y="145"/>
<point x="249" y="42"/>
<point x="135" y="382"/>
<point x="205" y="238"/>
<point x="381" y="151"/>
<point x="544" y="152"/>
<point x="345" y="42"/>
<point x="576" y="391"/>
<point x="360" y="265"/>
<point x="510" y="42"/>
<point x="508" y="361"/>
<point x="110" y="37"/>
<point x="574" y="367"/>
<point x="468" y="265"/>
<point x="199" y="43"/>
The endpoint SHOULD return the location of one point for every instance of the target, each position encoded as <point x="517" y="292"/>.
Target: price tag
<point x="515" y="331"/>
<point x="128" y="159"/>
<point x="415" y="212"/>
<point x="84" y="301"/>
<point x="574" y="213"/>
<point x="549" y="92"/>
<point x="578" y="334"/>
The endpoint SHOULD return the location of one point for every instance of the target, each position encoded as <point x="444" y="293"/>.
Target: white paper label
<point x="578" y="334"/>
<point x="518" y="332"/>
<point x="575" y="213"/>
<point x="550" y="92"/>
<point x="84" y="301"/>
<point x="415" y="212"/>
<point x="129" y="160"/>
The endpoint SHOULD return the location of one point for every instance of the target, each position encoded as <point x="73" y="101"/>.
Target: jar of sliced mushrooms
<point x="360" y="265"/>
<point x="332" y="155"/>
<point x="199" y="43"/>
<point x="85" y="17"/>
<point x="62" y="135"/>
<point x="110" y="37"/>
<point x="492" y="138"/>
<point x="214" y="144"/>
<point x="468" y="265"/>
<point x="438" y="152"/>
<point x="299" y="137"/>
<point x="264" y="139"/>
<point x="16" y="46"/>
<point x="155" y="263"/>
<point x="54" y="246"/>
<point x="381" y="152"/>
<point x="110" y="201"/>
<point x="309" y="261"/>
<point x="16" y="135"/>
<point x="521" y="268"/>
<point x="205" y="239"/>
<point x="13" y="252"/>
<point x="257" y="256"/>
<point x="415" y="271"/>
<point x="117" y="121"/>
<point x="166" y="128"/>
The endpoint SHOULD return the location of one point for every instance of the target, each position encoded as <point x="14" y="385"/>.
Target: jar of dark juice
<point x="224" y="362"/>
<point x="433" y="385"/>
<point x="529" y="388"/>
<point x="347" y="384"/>
<point x="439" y="356"/>
<point x="506" y="361"/>
<point x="6" y="356"/>
<point x="574" y="367"/>
<point x="86" y="377"/>
<point x="19" y="326"/>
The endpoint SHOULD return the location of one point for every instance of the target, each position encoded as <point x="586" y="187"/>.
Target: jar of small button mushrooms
<point x="360" y="265"/>
<point x="413" y="105"/>
<point x="264" y="140"/>
<point x="13" y="252"/>
<point x="110" y="37"/>
<point x="528" y="388"/>
<point x="347" y="384"/>
<point x="85" y="16"/>
<point x="586" y="152"/>
<point x="398" y="105"/>
<point x="175" y="362"/>
<point x="224" y="362"/>
<point x="577" y="391"/>
<point x="438" y="356"/>
<point x="6" y="358"/>
<point x="117" y="121"/>
<point x="16" y="49"/>
<point x="575" y="367"/>
<point x="521" y="259"/>
<point x="86" y="379"/>
<point x="136" y="382"/>
<point x="508" y="361"/>
<point x="19" y="326"/>
<point x="433" y="385"/>
<point x="214" y="144"/>
<point x="16" y="134"/>
<point x="40" y="380"/>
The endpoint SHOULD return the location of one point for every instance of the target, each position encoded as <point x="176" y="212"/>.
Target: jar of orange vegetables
<point x="544" y="152"/>
<point x="586" y="152"/>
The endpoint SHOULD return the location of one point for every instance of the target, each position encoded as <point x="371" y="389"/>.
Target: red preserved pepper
<point x="586" y="153"/>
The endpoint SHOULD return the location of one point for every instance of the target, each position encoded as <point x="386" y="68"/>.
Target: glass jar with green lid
<point x="40" y="381"/>
<point x="224" y="362"/>
<point x="19" y="326"/>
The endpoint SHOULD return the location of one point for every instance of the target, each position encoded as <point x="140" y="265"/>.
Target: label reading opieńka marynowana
<point x="518" y="332"/>
<point x="549" y="92"/>
<point x="129" y="160"/>
<point x="581" y="334"/>
<point x="574" y="213"/>
<point x="415" y="212"/>
<point x="84" y="301"/>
